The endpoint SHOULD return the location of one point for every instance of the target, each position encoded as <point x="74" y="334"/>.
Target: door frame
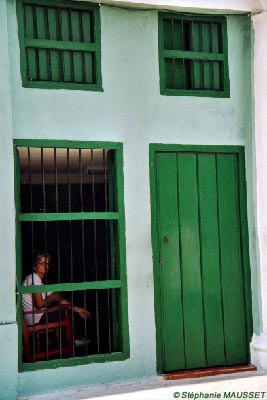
<point x="168" y="148"/>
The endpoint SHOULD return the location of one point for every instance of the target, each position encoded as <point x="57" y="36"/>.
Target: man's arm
<point x="83" y="313"/>
<point x="39" y="302"/>
<point x="55" y="297"/>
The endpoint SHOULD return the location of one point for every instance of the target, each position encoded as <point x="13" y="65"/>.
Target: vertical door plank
<point x="245" y="246"/>
<point x="231" y="260"/>
<point x="210" y="255"/>
<point x="190" y="261"/>
<point x="169" y="270"/>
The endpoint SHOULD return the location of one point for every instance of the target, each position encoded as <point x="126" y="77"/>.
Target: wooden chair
<point x="47" y="341"/>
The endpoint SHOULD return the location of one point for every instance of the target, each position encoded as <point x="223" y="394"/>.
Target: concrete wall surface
<point x="8" y="326"/>
<point x="130" y="110"/>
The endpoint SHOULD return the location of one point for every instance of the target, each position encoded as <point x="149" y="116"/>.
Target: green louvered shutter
<point x="193" y="55"/>
<point x="60" y="45"/>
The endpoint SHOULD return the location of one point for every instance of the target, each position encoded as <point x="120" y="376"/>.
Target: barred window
<point x="193" y="55"/>
<point x="60" y="44"/>
<point x="70" y="221"/>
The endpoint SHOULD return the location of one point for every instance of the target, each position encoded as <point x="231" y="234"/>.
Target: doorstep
<point x="202" y="372"/>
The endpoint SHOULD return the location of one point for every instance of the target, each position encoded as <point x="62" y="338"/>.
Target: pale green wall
<point x="132" y="111"/>
<point x="248" y="41"/>
<point x="8" y="326"/>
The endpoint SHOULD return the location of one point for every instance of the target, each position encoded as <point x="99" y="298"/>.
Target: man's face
<point x="42" y="267"/>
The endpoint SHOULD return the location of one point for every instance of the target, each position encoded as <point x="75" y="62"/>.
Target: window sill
<point x="59" y="85"/>
<point x="195" y="93"/>
<point x="75" y="361"/>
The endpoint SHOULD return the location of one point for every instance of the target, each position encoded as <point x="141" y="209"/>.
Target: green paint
<point x="230" y="259"/>
<point x="198" y="68"/>
<point x="190" y="261"/>
<point x="66" y="287"/>
<point x="112" y="194"/>
<point x="62" y="45"/>
<point x="210" y="258"/>
<point x="245" y="248"/>
<point x="193" y="56"/>
<point x="120" y="299"/>
<point x="201" y="267"/>
<point x="57" y="49"/>
<point x="122" y="316"/>
<point x="155" y="147"/>
<point x="169" y="255"/>
<point x="73" y="144"/>
<point x="100" y="358"/>
<point x="68" y="216"/>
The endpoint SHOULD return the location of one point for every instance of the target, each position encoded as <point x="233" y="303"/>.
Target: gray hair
<point x="37" y="258"/>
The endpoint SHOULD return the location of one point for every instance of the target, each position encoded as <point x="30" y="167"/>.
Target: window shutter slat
<point x="86" y="27"/>
<point x="28" y="22"/>
<point x="40" y="23"/>
<point x="32" y="66"/>
<point x="43" y="64"/>
<point x="207" y="75"/>
<point x="179" y="74"/>
<point x="216" y="75"/>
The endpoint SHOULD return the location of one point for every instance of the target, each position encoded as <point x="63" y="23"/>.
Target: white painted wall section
<point x="259" y="342"/>
<point x="230" y="6"/>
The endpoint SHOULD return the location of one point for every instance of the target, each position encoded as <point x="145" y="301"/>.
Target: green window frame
<point x="193" y="55"/>
<point x="59" y="44"/>
<point x="118" y="282"/>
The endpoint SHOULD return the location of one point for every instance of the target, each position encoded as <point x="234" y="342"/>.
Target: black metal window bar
<point x="69" y="210"/>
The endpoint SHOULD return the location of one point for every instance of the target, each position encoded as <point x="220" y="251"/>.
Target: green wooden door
<point x="202" y="270"/>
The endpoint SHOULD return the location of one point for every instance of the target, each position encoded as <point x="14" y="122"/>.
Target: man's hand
<point x="54" y="297"/>
<point x="82" y="312"/>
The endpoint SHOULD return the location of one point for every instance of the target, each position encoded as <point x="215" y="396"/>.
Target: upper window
<point x="72" y="302"/>
<point x="193" y="55"/>
<point x="60" y="44"/>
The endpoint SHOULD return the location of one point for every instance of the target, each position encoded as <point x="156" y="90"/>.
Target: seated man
<point x="42" y="301"/>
